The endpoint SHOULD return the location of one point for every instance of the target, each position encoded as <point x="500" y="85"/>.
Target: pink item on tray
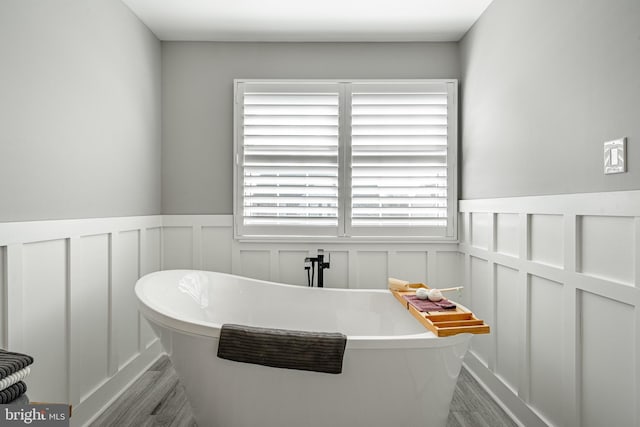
<point x="426" y="305"/>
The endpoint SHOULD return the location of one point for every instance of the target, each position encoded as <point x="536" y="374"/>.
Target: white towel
<point x="14" y="378"/>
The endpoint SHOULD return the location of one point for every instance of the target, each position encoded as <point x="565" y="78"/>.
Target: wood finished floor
<point x="158" y="399"/>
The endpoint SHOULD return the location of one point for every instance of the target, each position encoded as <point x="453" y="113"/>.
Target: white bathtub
<point x="395" y="373"/>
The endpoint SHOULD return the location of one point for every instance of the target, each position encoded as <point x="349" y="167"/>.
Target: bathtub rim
<point x="194" y="327"/>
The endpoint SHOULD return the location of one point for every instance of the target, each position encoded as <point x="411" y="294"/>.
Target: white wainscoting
<point x="67" y="299"/>
<point x="556" y="277"/>
<point x="206" y="242"/>
<point x="558" y="280"/>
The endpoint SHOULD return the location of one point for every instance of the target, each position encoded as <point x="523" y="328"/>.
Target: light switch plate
<point x="615" y="156"/>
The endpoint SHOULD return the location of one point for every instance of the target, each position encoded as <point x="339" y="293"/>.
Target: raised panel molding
<point x="45" y="318"/>
<point x="508" y="325"/>
<point x="448" y="271"/>
<point x="480" y="230"/>
<point x="572" y="311"/>
<point x="606" y="247"/>
<point x="598" y="347"/>
<point x="67" y="299"/>
<point x="90" y="323"/>
<point x="373" y="270"/>
<point x="216" y="248"/>
<point x="507" y="234"/>
<point x="256" y="264"/>
<point x="294" y="276"/>
<point x="177" y="248"/>
<point x="545" y="349"/>
<point x="481" y="296"/>
<point x="125" y="272"/>
<point x="338" y="275"/>
<point x="546" y="239"/>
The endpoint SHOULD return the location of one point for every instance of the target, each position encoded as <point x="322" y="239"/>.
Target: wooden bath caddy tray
<point x="445" y="323"/>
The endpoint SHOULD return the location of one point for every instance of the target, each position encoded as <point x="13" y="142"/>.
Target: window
<point x="361" y="159"/>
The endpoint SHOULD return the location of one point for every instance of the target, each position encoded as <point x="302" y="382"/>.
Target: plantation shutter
<point x="289" y="154"/>
<point x="399" y="159"/>
<point x="365" y="159"/>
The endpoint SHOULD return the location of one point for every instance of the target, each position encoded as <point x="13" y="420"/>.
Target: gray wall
<point x="197" y="88"/>
<point x="79" y="111"/>
<point x="544" y="84"/>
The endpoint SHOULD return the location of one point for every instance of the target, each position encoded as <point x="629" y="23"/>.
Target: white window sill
<point x="347" y="240"/>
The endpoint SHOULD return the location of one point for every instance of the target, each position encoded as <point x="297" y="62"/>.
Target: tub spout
<point x="322" y="264"/>
<point x="310" y="264"/>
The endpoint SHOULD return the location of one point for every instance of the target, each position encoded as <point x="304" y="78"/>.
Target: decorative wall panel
<point x="565" y="270"/>
<point x="67" y="299"/>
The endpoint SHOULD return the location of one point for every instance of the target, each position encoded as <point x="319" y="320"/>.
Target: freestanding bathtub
<point x="395" y="372"/>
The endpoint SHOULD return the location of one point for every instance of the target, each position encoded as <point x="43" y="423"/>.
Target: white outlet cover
<point x="615" y="159"/>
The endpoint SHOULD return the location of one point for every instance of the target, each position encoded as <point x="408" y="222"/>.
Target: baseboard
<point x="517" y="410"/>
<point x="92" y="407"/>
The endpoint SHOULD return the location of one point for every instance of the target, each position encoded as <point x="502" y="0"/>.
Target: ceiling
<point x="313" y="21"/>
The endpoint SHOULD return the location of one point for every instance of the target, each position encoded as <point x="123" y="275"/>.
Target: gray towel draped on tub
<point x="282" y="348"/>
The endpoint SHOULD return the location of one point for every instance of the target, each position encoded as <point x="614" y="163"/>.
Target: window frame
<point x="345" y="232"/>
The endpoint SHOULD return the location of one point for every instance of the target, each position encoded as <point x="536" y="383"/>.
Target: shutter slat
<point x="389" y="110"/>
<point x="289" y="171"/>
<point x="313" y="181"/>
<point x="391" y="199"/>
<point x="289" y="190"/>
<point x="405" y="222"/>
<point x="440" y="181"/>
<point x="404" y="120"/>
<point x="311" y="200"/>
<point x="289" y="110"/>
<point x="416" y="192"/>
<point x="271" y="99"/>
<point x="396" y="130"/>
<point x="427" y="141"/>
<point x="291" y="120"/>
<point x="276" y="140"/>
<point x="301" y="221"/>
<point x="407" y="173"/>
<point x="312" y="211"/>
<point x="277" y="130"/>
<point x="384" y="211"/>
<point x="438" y="98"/>
<point x="309" y="152"/>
